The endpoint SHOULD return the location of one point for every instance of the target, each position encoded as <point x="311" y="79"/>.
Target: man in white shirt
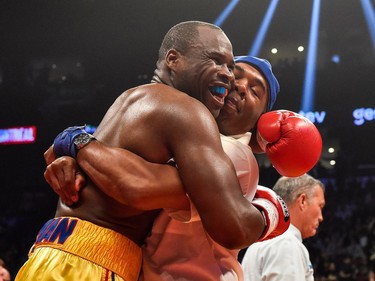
<point x="285" y="258"/>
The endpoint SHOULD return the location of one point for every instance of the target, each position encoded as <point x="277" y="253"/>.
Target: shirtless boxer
<point x="100" y="236"/>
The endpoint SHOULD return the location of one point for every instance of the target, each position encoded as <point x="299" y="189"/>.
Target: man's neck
<point x="158" y="77"/>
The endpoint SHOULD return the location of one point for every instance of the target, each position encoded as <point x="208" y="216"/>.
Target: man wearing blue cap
<point x="280" y="133"/>
<point x="265" y="69"/>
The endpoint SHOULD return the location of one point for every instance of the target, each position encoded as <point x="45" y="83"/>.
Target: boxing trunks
<point x="72" y="249"/>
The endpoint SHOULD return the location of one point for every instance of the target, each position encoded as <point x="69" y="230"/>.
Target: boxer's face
<point x="205" y="70"/>
<point x="244" y="105"/>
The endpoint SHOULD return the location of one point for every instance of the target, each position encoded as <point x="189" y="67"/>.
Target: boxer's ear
<point x="172" y="58"/>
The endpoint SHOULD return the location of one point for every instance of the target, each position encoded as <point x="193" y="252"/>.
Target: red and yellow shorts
<point x="72" y="249"/>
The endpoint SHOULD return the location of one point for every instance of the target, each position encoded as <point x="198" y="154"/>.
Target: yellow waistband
<point x="99" y="245"/>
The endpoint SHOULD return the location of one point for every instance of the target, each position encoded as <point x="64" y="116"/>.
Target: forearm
<point x="132" y="180"/>
<point x="227" y="216"/>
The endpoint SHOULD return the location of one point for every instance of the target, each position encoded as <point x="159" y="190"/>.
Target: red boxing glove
<point x="292" y="142"/>
<point x="274" y="210"/>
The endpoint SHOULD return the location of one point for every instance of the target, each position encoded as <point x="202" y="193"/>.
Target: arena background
<point x="63" y="63"/>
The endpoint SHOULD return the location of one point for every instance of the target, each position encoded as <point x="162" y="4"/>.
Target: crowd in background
<point x="345" y="245"/>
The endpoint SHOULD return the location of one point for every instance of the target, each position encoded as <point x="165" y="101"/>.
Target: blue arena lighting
<point x="223" y="16"/>
<point x="309" y="83"/>
<point x="254" y="51"/>
<point x="368" y="10"/>
<point x="335" y="59"/>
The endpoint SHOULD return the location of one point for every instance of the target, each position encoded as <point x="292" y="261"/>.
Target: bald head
<point x="182" y="36"/>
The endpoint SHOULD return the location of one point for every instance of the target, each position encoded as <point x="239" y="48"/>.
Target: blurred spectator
<point x="346" y="269"/>
<point x="4" y="273"/>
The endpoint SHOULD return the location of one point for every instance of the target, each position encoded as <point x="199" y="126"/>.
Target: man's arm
<point x="120" y="174"/>
<point x="148" y="185"/>
<point x="211" y="182"/>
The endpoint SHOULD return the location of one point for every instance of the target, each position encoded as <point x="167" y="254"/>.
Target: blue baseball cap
<point x="265" y="68"/>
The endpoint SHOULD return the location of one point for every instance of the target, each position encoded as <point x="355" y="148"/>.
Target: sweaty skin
<point x="158" y="122"/>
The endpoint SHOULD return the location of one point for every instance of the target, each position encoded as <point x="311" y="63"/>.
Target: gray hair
<point x="289" y="189"/>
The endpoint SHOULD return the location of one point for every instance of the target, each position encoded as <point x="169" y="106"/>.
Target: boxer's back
<point x="134" y="122"/>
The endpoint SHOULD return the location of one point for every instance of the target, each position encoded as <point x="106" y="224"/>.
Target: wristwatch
<point x="82" y="140"/>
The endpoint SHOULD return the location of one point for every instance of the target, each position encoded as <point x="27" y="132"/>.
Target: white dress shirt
<point x="283" y="258"/>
